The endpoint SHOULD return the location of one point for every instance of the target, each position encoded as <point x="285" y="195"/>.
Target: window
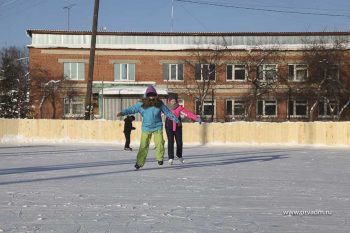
<point x="173" y="72"/>
<point x="333" y="71"/>
<point x="74" y="71"/>
<point x="297" y="72"/>
<point x="297" y="108"/>
<point x="235" y="108"/>
<point x="74" y="107"/>
<point x="267" y="108"/>
<point x="267" y="72"/>
<point x="181" y="102"/>
<point x="327" y="109"/>
<point x="124" y="72"/>
<point x="205" y="72"/>
<point x="208" y="107"/>
<point x="235" y="72"/>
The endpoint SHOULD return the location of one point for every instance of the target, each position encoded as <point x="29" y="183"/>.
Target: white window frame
<point x="295" y="104"/>
<point x="68" y="75"/>
<point x="233" y="115"/>
<point x="296" y="68"/>
<point x="71" y="101"/>
<point x="234" y="68"/>
<point x="264" y="108"/>
<point x="325" y="109"/>
<point x="209" y="103"/>
<point x="176" y="73"/>
<point x="121" y="69"/>
<point x="264" y="70"/>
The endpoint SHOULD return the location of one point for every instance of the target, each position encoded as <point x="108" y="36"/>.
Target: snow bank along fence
<point x="326" y="133"/>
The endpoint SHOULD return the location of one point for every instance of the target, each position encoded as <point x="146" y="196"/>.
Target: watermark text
<point x="307" y="212"/>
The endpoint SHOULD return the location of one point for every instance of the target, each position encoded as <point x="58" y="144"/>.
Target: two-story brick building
<point x="234" y="76"/>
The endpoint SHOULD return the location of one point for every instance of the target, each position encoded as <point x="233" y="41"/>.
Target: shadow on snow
<point x="216" y="160"/>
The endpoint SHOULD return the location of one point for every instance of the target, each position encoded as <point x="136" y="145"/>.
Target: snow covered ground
<point x="94" y="188"/>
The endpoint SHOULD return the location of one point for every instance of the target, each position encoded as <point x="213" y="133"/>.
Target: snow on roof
<point x="86" y="32"/>
<point x="131" y="91"/>
<point x="184" y="41"/>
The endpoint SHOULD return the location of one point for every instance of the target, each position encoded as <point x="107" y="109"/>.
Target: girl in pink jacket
<point x="175" y="131"/>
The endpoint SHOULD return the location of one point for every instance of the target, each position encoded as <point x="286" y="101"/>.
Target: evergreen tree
<point x="13" y="83"/>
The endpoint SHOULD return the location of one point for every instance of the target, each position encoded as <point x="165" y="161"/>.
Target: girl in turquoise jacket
<point x="150" y="108"/>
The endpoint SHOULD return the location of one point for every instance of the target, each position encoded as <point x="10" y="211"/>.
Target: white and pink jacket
<point x="177" y="112"/>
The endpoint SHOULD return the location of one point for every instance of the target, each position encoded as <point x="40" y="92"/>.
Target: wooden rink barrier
<point x="293" y="133"/>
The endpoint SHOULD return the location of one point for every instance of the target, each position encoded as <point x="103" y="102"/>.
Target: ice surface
<point x="94" y="188"/>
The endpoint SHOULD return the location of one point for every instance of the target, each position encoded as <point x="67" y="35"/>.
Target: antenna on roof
<point x="68" y="7"/>
<point x="172" y="15"/>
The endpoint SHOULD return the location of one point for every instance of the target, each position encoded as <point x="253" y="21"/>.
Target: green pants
<point x="144" y="145"/>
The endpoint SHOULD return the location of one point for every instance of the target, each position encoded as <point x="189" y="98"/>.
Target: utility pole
<point x="68" y="12"/>
<point x="91" y="62"/>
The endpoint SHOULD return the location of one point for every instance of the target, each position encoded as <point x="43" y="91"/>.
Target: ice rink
<point x="84" y="188"/>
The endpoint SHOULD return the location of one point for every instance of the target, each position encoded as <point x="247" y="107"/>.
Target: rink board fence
<point x="322" y="133"/>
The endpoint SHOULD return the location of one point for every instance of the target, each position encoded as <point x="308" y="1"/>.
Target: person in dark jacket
<point x="127" y="131"/>
<point x="173" y="131"/>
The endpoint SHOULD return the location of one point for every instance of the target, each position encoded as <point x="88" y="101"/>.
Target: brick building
<point x="232" y="76"/>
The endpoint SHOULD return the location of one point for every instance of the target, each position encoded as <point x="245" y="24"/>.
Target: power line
<point x="191" y="14"/>
<point x="283" y="6"/>
<point x="13" y="9"/>
<point x="262" y="9"/>
<point x="4" y="3"/>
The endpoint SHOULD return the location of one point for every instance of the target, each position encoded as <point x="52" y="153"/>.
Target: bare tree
<point x="205" y="64"/>
<point x="202" y="66"/>
<point x="327" y="85"/>
<point x="263" y="74"/>
<point x="49" y="92"/>
<point x="55" y="96"/>
<point x="45" y="90"/>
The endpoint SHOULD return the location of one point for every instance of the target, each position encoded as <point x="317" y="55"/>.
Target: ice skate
<point x="181" y="160"/>
<point x="171" y="161"/>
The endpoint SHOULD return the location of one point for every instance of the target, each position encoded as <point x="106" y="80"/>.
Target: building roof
<point x="133" y="33"/>
<point x="177" y="41"/>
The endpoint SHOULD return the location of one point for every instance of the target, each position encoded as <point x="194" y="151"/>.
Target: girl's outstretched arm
<point x="131" y="110"/>
<point x="169" y="114"/>
<point x="190" y="115"/>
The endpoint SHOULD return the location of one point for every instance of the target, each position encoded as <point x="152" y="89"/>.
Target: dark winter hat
<point x="173" y="96"/>
<point x="151" y="91"/>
